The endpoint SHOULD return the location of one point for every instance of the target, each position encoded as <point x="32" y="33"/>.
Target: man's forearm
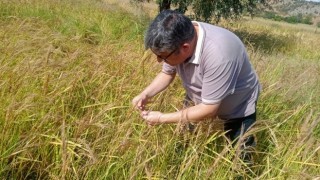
<point x="192" y="114"/>
<point x="160" y="82"/>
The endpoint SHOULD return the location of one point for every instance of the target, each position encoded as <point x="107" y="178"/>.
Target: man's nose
<point x="159" y="60"/>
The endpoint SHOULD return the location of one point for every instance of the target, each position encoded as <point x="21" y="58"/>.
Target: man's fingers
<point x="144" y="113"/>
<point x="141" y="108"/>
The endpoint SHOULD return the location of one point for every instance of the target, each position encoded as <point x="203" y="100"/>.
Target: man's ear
<point x="186" y="46"/>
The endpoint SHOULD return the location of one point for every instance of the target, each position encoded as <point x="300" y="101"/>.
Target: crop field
<point x="69" y="70"/>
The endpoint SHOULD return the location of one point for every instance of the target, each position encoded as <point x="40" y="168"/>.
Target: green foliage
<point x="211" y="11"/>
<point x="307" y="20"/>
<point x="205" y="10"/>
<point x="290" y="19"/>
<point x="182" y="5"/>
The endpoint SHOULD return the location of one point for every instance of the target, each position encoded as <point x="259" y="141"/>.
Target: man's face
<point x="164" y="58"/>
<point x="174" y="57"/>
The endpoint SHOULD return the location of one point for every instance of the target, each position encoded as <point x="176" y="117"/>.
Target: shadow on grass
<point x="266" y="41"/>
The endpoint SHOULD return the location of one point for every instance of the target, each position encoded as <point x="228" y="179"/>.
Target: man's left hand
<point x="151" y="117"/>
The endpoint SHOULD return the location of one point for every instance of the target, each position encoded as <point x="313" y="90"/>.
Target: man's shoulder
<point x="207" y="26"/>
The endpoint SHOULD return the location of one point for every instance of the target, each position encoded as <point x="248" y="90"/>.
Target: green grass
<point x="69" y="70"/>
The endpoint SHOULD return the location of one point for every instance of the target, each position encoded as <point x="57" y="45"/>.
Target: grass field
<point x="68" y="73"/>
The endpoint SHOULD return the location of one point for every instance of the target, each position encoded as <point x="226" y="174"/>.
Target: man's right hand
<point x="140" y="102"/>
<point x="159" y="83"/>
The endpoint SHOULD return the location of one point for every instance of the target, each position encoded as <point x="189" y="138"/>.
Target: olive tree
<point x="210" y="10"/>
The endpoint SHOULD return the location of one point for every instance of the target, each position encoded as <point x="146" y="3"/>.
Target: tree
<point x="211" y="10"/>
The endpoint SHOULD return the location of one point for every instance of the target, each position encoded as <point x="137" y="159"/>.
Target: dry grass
<point x="69" y="72"/>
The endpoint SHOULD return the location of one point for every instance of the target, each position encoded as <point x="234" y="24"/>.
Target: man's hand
<point x="151" y="117"/>
<point x="140" y="102"/>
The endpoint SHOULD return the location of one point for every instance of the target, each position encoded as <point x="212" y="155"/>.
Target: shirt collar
<point x="195" y="59"/>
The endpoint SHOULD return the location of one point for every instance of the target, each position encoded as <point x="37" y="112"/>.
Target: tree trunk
<point x="164" y="4"/>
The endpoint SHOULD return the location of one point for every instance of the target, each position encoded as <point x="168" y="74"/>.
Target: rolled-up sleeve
<point x="168" y="69"/>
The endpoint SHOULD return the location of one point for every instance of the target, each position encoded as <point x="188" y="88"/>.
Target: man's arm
<point x="192" y="114"/>
<point x="160" y="82"/>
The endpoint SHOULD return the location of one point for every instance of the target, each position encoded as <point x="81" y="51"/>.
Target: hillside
<point x="295" y="7"/>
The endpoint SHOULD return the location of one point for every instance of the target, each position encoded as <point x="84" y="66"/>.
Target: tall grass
<point x="69" y="70"/>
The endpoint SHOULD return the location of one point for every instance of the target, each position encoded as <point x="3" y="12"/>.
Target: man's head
<point x="169" y="34"/>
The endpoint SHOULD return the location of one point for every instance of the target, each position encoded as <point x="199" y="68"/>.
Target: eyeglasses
<point x="166" y="58"/>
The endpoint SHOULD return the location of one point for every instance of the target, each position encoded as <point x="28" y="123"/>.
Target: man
<point x="215" y="70"/>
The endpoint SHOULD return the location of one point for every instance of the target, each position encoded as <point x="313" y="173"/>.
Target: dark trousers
<point x="235" y="129"/>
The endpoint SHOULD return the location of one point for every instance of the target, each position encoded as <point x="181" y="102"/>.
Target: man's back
<point x="220" y="71"/>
